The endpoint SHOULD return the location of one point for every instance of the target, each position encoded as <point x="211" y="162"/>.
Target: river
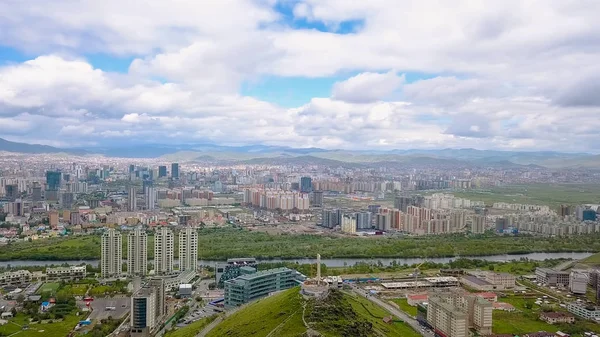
<point x="337" y="262"/>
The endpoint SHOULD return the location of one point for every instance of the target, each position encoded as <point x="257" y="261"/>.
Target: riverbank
<point x="220" y="244"/>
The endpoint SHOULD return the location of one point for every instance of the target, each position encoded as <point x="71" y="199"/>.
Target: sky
<point x="333" y="74"/>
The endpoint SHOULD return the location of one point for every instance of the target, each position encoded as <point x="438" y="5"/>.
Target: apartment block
<point x="578" y="282"/>
<point x="452" y="313"/>
<point x="188" y="249"/>
<point x="71" y="273"/>
<point x="15" y="278"/>
<point x="163" y="251"/>
<point x="111" y="254"/>
<point x="137" y="253"/>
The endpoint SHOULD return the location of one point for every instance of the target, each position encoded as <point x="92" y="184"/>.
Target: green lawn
<point x="76" y="289"/>
<point x="192" y="329"/>
<point x="592" y="260"/>
<point x="261" y="317"/>
<point x="59" y="329"/>
<point x="374" y="314"/>
<point x="404" y="306"/>
<point x="48" y="287"/>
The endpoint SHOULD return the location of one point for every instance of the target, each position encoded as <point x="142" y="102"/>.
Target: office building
<point x="551" y="277"/>
<point x="147" y="309"/>
<point x="162" y="171"/>
<point x="66" y="200"/>
<point x="132" y="199"/>
<point x="589" y="215"/>
<point x="36" y="192"/>
<point x="111" y="254"/>
<point x="71" y="273"/>
<point x="175" y="171"/>
<point x="188" y="249"/>
<point x="53" y="180"/>
<point x="578" y="282"/>
<point x="584" y="310"/>
<point x="306" y="185"/>
<point x="501" y="280"/>
<point x="11" y="192"/>
<point x="163" y="251"/>
<point x="316" y="199"/>
<point x="131" y="168"/>
<point x="232" y="269"/>
<point x="254" y="285"/>
<point x="137" y="252"/>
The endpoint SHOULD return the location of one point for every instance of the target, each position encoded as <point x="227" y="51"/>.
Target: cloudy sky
<point x="345" y="74"/>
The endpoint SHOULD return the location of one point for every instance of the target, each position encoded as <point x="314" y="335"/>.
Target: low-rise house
<point x="66" y="273"/>
<point x="557" y="317"/>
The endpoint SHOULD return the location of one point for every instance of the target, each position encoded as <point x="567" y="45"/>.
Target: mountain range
<point x="280" y="155"/>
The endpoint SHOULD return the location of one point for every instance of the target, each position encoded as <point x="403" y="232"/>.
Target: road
<point x="398" y="313"/>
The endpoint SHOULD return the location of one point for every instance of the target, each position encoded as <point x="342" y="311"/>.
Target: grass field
<point x="374" y="314"/>
<point x="539" y="194"/>
<point x="265" y="315"/>
<point x="59" y="329"/>
<point x="48" y="287"/>
<point x="404" y="306"/>
<point x="593" y="260"/>
<point x="192" y="329"/>
<point x="75" y="289"/>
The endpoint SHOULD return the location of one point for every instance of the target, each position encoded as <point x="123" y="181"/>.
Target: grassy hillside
<point x="282" y="315"/>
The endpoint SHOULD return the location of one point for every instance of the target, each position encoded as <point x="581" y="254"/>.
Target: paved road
<point x="398" y="313"/>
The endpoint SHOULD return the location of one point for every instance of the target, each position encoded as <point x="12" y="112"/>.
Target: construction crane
<point x="417" y="272"/>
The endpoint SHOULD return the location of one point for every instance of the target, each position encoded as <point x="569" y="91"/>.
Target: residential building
<point x="150" y="197"/>
<point x="478" y="224"/>
<point x="71" y="273"/>
<point x="137" y="252"/>
<point x="452" y="313"/>
<point x="53" y="219"/>
<point x="132" y="199"/>
<point x="557" y="317"/>
<point x="551" y="277"/>
<point x="19" y="278"/>
<point x="163" y="251"/>
<point x="364" y="220"/>
<point x="349" y="224"/>
<point x="147" y="309"/>
<point x="578" y="282"/>
<point x="331" y="218"/>
<point x="188" y="249"/>
<point x="248" y="287"/>
<point x="111" y="254"/>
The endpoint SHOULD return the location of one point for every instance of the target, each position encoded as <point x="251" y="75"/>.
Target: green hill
<point x="341" y="314"/>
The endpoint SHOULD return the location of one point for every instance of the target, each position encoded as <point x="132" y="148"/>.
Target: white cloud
<point x="367" y="87"/>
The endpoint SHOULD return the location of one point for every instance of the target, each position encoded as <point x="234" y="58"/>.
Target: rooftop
<point x="249" y="277"/>
<point x="476" y="280"/>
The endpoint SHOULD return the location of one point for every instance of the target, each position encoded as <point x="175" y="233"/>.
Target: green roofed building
<point x="250" y="286"/>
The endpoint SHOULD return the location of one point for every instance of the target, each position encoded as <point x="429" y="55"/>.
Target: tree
<point x="20" y="299"/>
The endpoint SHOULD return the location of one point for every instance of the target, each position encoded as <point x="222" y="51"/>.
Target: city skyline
<point x="374" y="75"/>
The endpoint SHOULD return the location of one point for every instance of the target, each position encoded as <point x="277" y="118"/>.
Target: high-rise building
<point x="11" y="192"/>
<point x="402" y="203"/>
<point x="162" y="171"/>
<point x="163" y="251"/>
<point x="147" y="309"/>
<point x="52" y="180"/>
<point x="364" y="220"/>
<point x="317" y="199"/>
<point x="111" y="253"/>
<point x="175" y="171"/>
<point x="137" y="252"/>
<point x="131" y="168"/>
<point x="306" y="185"/>
<point x="478" y="224"/>
<point x="36" y="192"/>
<point x="452" y="314"/>
<point x="66" y="200"/>
<point x="332" y="218"/>
<point x="53" y="219"/>
<point x="150" y="197"/>
<point x="131" y="200"/>
<point x="188" y="249"/>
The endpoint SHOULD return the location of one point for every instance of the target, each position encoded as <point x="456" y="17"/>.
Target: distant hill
<point x="9" y="146"/>
<point x="283" y="314"/>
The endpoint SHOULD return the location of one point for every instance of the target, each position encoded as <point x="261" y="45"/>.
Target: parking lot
<point x="120" y="304"/>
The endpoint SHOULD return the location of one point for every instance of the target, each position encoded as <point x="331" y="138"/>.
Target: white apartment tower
<point x="111" y="254"/>
<point x="150" y="197"/>
<point x="163" y="251"/>
<point x="131" y="200"/>
<point x="137" y="252"/>
<point x="188" y="249"/>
